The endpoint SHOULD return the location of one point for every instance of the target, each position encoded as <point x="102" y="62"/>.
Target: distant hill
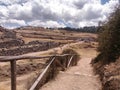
<point x="28" y="28"/>
<point x="6" y="33"/>
<point x="91" y="29"/>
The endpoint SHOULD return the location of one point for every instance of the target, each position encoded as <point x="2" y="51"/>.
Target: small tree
<point x="109" y="38"/>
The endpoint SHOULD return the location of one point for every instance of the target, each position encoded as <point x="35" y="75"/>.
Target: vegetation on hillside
<point x="89" y="29"/>
<point x="107" y="63"/>
<point x="109" y="38"/>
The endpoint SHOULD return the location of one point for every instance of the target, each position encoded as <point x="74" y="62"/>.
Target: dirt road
<point x="80" y="77"/>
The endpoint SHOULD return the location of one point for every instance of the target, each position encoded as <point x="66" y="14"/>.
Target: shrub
<point x="72" y="52"/>
<point x="109" y="37"/>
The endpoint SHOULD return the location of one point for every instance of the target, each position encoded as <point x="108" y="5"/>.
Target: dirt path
<point x="80" y="77"/>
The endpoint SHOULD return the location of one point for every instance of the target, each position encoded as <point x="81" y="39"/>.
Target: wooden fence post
<point x="13" y="75"/>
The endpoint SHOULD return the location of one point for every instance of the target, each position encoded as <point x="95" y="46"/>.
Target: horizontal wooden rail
<point x="13" y="60"/>
<point x="21" y="57"/>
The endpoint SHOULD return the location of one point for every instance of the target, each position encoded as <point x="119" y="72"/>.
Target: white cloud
<point x="3" y="12"/>
<point x="54" y="13"/>
<point x="46" y="24"/>
<point x="11" y="23"/>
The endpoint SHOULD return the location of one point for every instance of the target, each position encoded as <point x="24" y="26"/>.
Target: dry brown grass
<point x="79" y="48"/>
<point x="4" y="87"/>
<point x="90" y="51"/>
<point x="51" y="33"/>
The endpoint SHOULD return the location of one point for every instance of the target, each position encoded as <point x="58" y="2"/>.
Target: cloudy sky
<point x="54" y="13"/>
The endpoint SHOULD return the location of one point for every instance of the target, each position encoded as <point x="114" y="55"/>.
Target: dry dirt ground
<point x="86" y="50"/>
<point x="80" y="77"/>
<point x="109" y="74"/>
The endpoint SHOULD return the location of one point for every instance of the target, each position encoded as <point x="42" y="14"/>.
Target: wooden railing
<point x="39" y="81"/>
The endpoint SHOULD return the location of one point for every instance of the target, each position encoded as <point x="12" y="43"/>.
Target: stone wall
<point x="11" y="43"/>
<point x="28" y="48"/>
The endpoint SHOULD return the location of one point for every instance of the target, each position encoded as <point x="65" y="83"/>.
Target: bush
<point x="109" y="38"/>
<point x="72" y="52"/>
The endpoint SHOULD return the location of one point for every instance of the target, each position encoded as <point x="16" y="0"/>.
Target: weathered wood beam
<point x="36" y="84"/>
<point x="21" y="57"/>
<point x="13" y="74"/>
<point x="70" y="61"/>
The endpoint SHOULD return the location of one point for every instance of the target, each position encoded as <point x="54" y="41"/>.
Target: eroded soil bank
<point x="109" y="75"/>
